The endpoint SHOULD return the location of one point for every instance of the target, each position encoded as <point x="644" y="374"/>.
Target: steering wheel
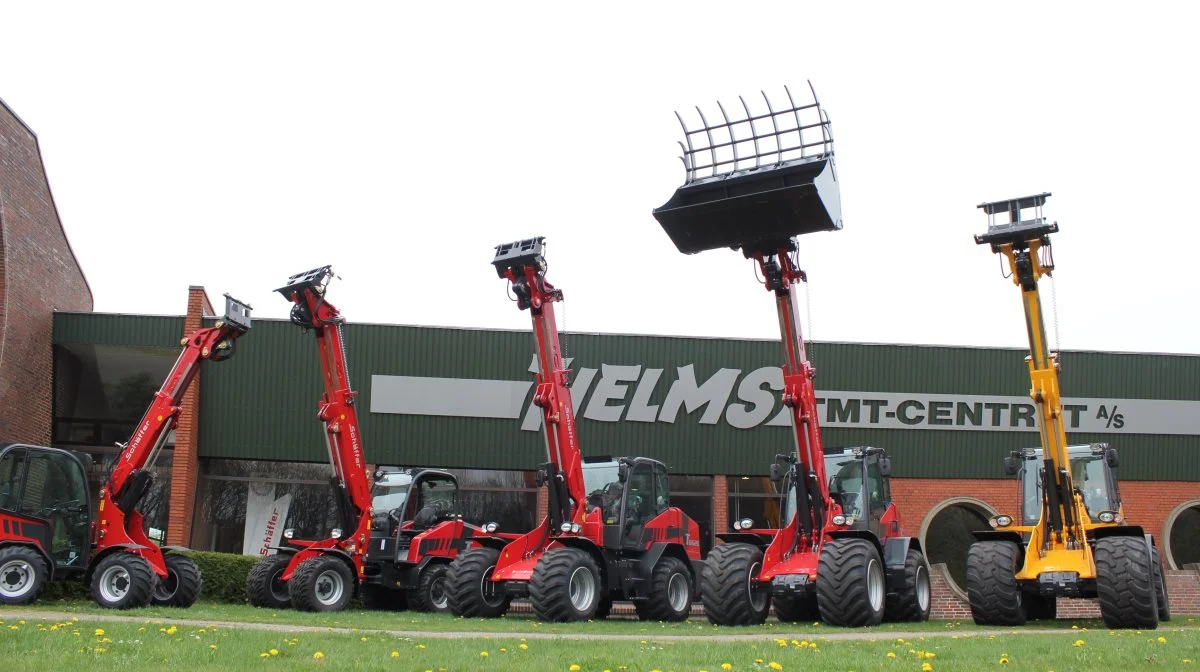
<point x="66" y="506"/>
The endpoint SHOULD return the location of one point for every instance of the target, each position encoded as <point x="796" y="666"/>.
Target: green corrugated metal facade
<point x="261" y="404"/>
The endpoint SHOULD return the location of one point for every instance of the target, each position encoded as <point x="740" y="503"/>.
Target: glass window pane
<point x="690" y="484"/>
<point x="12" y="471"/>
<point x="747" y="485"/>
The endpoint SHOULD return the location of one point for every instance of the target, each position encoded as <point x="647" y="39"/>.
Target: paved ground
<point x="865" y="634"/>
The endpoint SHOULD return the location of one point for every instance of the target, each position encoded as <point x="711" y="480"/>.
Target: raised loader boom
<point x="1025" y="245"/>
<point x="524" y="266"/>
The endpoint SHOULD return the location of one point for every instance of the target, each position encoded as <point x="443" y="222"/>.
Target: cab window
<point x="12" y="474"/>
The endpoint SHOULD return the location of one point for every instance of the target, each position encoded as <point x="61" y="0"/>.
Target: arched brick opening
<point x="1181" y="535"/>
<point x="946" y="535"/>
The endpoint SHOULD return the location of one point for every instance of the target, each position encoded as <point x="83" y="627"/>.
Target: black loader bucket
<point x="754" y="181"/>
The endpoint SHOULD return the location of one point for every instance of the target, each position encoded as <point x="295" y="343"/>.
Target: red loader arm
<point x="119" y="523"/>
<point x="337" y="412"/>
<point x="524" y="266"/>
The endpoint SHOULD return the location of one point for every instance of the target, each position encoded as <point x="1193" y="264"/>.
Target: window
<point x="753" y="497"/>
<point x="12" y="474"/>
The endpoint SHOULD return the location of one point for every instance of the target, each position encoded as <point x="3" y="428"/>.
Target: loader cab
<point x="45" y="501"/>
<point x="412" y="500"/>
<point x="860" y="484"/>
<point x="627" y="493"/>
<point x="1092" y="475"/>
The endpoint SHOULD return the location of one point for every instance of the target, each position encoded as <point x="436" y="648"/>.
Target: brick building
<point x="248" y="436"/>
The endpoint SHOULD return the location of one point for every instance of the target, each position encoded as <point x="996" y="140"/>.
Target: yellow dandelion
<point x="362" y="639"/>
<point x="758" y="661"/>
<point x="212" y="647"/>
<point x="573" y="668"/>
<point x="900" y="640"/>
<point x="891" y="654"/>
<point x="420" y="646"/>
<point x="483" y="654"/>
<point x="274" y="652"/>
<point x="1078" y="642"/>
<point x="1074" y="627"/>
<point x="523" y="647"/>
<point x="54" y="627"/>
<point x="264" y="654"/>
<point x="930" y="655"/>
<point x="99" y="631"/>
<point x="99" y="650"/>
<point x="927" y="668"/>
<point x="318" y="655"/>
<point x="775" y="666"/>
<point x="395" y="654"/>
<point x="14" y="627"/>
<point x="172" y="630"/>
<point x="21" y="622"/>
<point x="1003" y="659"/>
<point x="726" y="667"/>
<point x="1162" y="640"/>
<point x="812" y="645"/>
<point x="503" y="650"/>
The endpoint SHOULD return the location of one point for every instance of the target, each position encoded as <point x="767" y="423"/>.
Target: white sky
<point x="231" y="145"/>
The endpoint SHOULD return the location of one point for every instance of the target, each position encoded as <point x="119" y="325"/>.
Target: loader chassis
<point x="49" y="528"/>
<point x="611" y="533"/>
<point x="325" y="574"/>
<point x="1072" y="539"/>
<point x="839" y="555"/>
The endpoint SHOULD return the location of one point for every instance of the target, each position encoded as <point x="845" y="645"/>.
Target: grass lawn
<point x="515" y="623"/>
<point x="94" y="644"/>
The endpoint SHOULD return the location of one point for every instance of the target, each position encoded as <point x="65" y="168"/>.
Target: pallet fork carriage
<point x="46" y="511"/>
<point x="754" y="184"/>
<point x="394" y="560"/>
<point x="1072" y="539"/>
<point x="610" y="533"/>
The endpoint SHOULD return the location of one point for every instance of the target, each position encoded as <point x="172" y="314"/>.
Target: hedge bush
<point x="224" y="575"/>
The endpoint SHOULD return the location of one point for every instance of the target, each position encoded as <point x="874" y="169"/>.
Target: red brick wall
<point x="38" y="275"/>
<point x="720" y="504"/>
<point x="185" y="469"/>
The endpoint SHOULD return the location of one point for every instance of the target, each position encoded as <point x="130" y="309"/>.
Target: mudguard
<point x="1121" y="531"/>
<point x="744" y="538"/>
<point x="895" y="551"/>
<point x="40" y="551"/>
<point x="999" y="535"/>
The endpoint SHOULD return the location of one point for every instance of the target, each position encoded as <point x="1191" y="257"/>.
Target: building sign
<point x="265" y="517"/>
<point x="744" y="400"/>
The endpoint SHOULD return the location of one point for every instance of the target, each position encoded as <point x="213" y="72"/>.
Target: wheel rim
<point x="875" y="586"/>
<point x="16" y="578"/>
<point x="758" y="601"/>
<point x="437" y="594"/>
<point x="166" y="588"/>
<point x="329" y="587"/>
<point x="922" y="589"/>
<point x="489" y="590"/>
<point x="114" y="583"/>
<point x="677" y="592"/>
<point x="279" y="588"/>
<point x="582" y="588"/>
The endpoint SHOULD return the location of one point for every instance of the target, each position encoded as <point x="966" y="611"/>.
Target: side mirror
<point x="1011" y="465"/>
<point x="1110" y="456"/>
<point x="885" y="466"/>
<point x="622" y="472"/>
<point x="776" y="473"/>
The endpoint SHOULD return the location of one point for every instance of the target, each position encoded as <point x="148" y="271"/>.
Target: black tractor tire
<point x="603" y="609"/>
<point x="382" y="598"/>
<point x="851" y="583"/>
<point x="1160" y="587"/>
<point x="23" y="575"/>
<point x="910" y="600"/>
<point x="182" y="585"/>
<point x="671" y="590"/>
<point x="1040" y="607"/>
<point x="565" y="586"/>
<point x="430" y="593"/>
<point x="1125" y="583"/>
<point x="725" y="586"/>
<point x="468" y="591"/>
<point x="264" y="587"/>
<point x="797" y="609"/>
<point x="992" y="588"/>
<point x="123" y="580"/>
<point x="323" y="583"/>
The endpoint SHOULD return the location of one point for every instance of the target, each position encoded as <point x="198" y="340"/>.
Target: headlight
<point x="336" y="533"/>
<point x="575" y="528"/>
<point x="565" y="527"/>
<point x="1001" y="521"/>
<point x="1107" y="517"/>
<point x="491" y="527"/>
<point x="839" y="519"/>
<point x="289" y="533"/>
<point x="747" y="523"/>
